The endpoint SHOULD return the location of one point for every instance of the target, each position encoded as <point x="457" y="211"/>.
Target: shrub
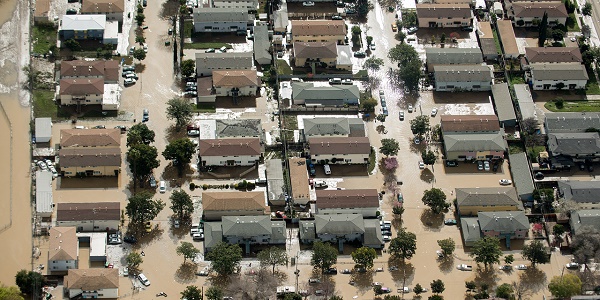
<point x="250" y="186"/>
<point x="560" y="103"/>
<point x="192" y="186"/>
<point x="205" y="187"/>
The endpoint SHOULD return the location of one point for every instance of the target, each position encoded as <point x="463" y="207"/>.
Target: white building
<point x="229" y="152"/>
<point x="43" y="194"/>
<point x="463" y="78"/>
<point x="86" y="217"/>
<point x="526" y="13"/>
<point x="95" y="283"/>
<point x="350" y="201"/>
<point x="43" y="130"/>
<point x="250" y="5"/>
<point x="63" y="249"/>
<point x="339" y="150"/>
<point x="549" y="76"/>
<point x="220" y="19"/>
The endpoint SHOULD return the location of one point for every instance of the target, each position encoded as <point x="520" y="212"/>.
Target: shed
<point x="44" y="205"/>
<point x="504" y="105"/>
<point x="43" y="130"/>
<point x="521" y="174"/>
<point x="525" y="100"/>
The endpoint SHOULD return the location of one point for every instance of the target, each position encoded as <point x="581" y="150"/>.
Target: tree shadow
<point x="139" y="67"/>
<point x="486" y="276"/>
<point x="397" y="221"/>
<point x="534" y="279"/>
<point x="175" y="178"/>
<point x="143" y="237"/>
<point x="178" y="233"/>
<point x="173" y="133"/>
<point x="362" y="280"/>
<point x="427" y="176"/>
<point x="169" y="9"/>
<point x="431" y="220"/>
<point x="446" y="264"/>
<point x="380" y="129"/>
<point x="186" y="273"/>
<point x="405" y="271"/>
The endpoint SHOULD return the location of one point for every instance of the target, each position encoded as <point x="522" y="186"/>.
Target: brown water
<point x="7" y="7"/>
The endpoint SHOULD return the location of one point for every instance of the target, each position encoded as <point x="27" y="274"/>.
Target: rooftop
<point x="474" y="142"/>
<point x="503" y="102"/>
<point x="340" y="224"/>
<point x="211" y="14"/>
<point x="63" y="244"/>
<point x="462" y="73"/>
<point x="585" y="217"/>
<point x="444" y="10"/>
<point x="235" y="78"/>
<point x="498" y="196"/>
<point x="339" y="145"/>
<point x="507" y="37"/>
<point x="227" y="60"/>
<point x="572" y="121"/>
<point x="92" y="156"/>
<point x="469" y="123"/>
<point x="83" y="22"/>
<point x="246" y="226"/>
<point x="92" y="279"/>
<point x="318" y="27"/>
<point x="230" y="146"/>
<point x="88" y="211"/>
<point x="308" y="91"/>
<point x="312" y="50"/>
<point x="350" y="198"/>
<point x="537" y="9"/>
<point x="574" y="144"/>
<point x="235" y="201"/>
<point x="580" y="191"/>
<point x="238" y="128"/>
<point x="299" y="178"/>
<point x="564" y="71"/>
<point x="102" y="6"/>
<point x="553" y="54"/>
<point x="503" y="221"/>
<point x="521" y="175"/>
<point x="81" y="86"/>
<point x="90" y="138"/>
<point x="485" y="30"/>
<point x="448" y="56"/>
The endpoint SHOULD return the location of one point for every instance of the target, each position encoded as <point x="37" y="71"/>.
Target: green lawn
<point x="361" y="74"/>
<point x="290" y="123"/>
<point x="44" y="105"/>
<point x="516" y="80"/>
<point x="188" y="27"/>
<point x="283" y="68"/>
<point x="572" y="23"/>
<point x="372" y="162"/>
<point x="205" y="108"/>
<point x="206" y="45"/>
<point x="497" y="41"/>
<point x="574" y="106"/>
<point x="44" y="36"/>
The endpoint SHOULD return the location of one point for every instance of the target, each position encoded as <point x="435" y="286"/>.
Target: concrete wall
<point x="61" y="265"/>
<point x="463" y="86"/>
<point x="97" y="171"/>
<point x="365" y="211"/>
<point x="90" y="226"/>
<point x="244" y="160"/>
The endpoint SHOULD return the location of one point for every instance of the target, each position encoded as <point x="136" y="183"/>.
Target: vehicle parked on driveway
<point x="464" y="267"/>
<point x="505" y="182"/>
<point x="162" y="186"/>
<point x="479" y="165"/>
<point x="434" y="112"/>
<point x="451" y="163"/>
<point x="486" y="166"/>
<point x="450" y="222"/>
<point x="129" y="81"/>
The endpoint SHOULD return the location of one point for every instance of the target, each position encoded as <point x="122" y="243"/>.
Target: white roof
<point x="43" y="192"/>
<point x="83" y="22"/>
<point x="43" y="129"/>
<point x="111" y="31"/>
<point x="208" y="129"/>
<point x="97" y="243"/>
<point x="112" y="94"/>
<point x="344" y="53"/>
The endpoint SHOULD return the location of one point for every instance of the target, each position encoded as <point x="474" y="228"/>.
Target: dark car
<point x="495" y="167"/>
<point x="360" y="54"/>
<point x="130" y="239"/>
<point x="336" y="17"/>
<point x="331" y="271"/>
<point x="122" y="128"/>
<point x="451" y="163"/>
<point x="467" y="28"/>
<point x="71" y="11"/>
<point x="539" y="176"/>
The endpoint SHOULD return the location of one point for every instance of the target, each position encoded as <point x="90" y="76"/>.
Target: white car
<point x="145" y="48"/>
<point x="129" y="81"/>
<point x="421" y="165"/>
<point x="193" y="132"/>
<point x="521" y="267"/>
<point x="410" y="108"/>
<point x="387" y="238"/>
<point x="486" y="165"/>
<point x="372" y="46"/>
<point x="464" y="267"/>
<point x="417" y="140"/>
<point x="434" y="112"/>
<point x="572" y="265"/>
<point x="505" y="182"/>
<point x="125" y="271"/>
<point x="308" y="3"/>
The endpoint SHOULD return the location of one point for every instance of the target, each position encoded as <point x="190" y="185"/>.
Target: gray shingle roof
<point x="572" y="121"/>
<point x="307" y="230"/>
<point x="580" y="191"/>
<point x="470" y="230"/>
<point x="307" y="91"/>
<point x="326" y="126"/>
<point x="453" y="56"/>
<point x="246" y="226"/>
<point x="228" y="60"/>
<point x="443" y="10"/>
<point x="474" y="142"/>
<point x="213" y="234"/>
<point x="505" y="196"/>
<point x="503" y="221"/>
<point x="211" y="14"/>
<point x="521" y="175"/>
<point x="340" y="224"/>
<point x="585" y="217"/>
<point x="573" y="144"/>
<point x="238" y="128"/>
<point x="462" y="73"/>
<point x="339" y="145"/>
<point x="525" y="100"/>
<point x="488" y="46"/>
<point x="503" y="102"/>
<point x="262" y="44"/>
<point x="373" y="236"/>
<point x="553" y="71"/>
<point x="278" y="231"/>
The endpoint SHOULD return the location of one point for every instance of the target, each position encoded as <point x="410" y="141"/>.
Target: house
<point x="324" y="54"/>
<point x="487" y="43"/>
<point x="553" y="76"/>
<point x="90" y="152"/>
<point x="276" y="187"/>
<point x="351" y="201"/>
<point x="463" y="78"/>
<point x="86" y="217"/>
<point x="504" y="225"/>
<point x="90" y="82"/>
<point x="579" y="147"/>
<point x="444" y="15"/>
<point x="40" y="13"/>
<point x="344" y="57"/>
<point x="63" y="249"/>
<point x="113" y="9"/>
<point x="97" y="242"/>
<point x="335" y="127"/>
<point x="468" y="2"/>
<point x="81" y="91"/>
<point x="530" y="13"/>
<point x="521" y="175"/>
<point x="210" y="19"/>
<point x="504" y="105"/>
<point x="95" y="283"/>
<point x="88" y="27"/>
<point x="229" y="152"/>
<point x="248" y="5"/>
<point x="44" y="205"/>
<point x="299" y="180"/>
<point x="585" y="194"/>
<point x="508" y="40"/>
<point x="316" y="94"/>
<point x="452" y="56"/>
<point x="339" y="150"/>
<point x="218" y="204"/>
<point x="43" y="130"/>
<point x="342" y="228"/>
<point x="230" y="128"/>
<point x="235" y="83"/>
<point x="245" y="231"/>
<point x="96" y="138"/>
<point x="584" y="217"/>
<point x="553" y="55"/>
<point x="471" y="201"/>
<point x="471" y="232"/>
<point x="280" y="20"/>
<point x="80" y="69"/>
<point x="323" y="31"/>
<point x="571" y="122"/>
<point x="469" y="124"/>
<point x="262" y="45"/>
<point x="206" y="63"/>
<point x="470" y="147"/>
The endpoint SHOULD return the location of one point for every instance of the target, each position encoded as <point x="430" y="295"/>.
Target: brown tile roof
<point x="444" y="11"/>
<point x="223" y="201"/>
<point x="90" y="138"/>
<point x="339" y="145"/>
<point x="63" y="243"/>
<point x="318" y="27"/>
<point x="315" y="50"/>
<point x="91" y="156"/>
<point x="42" y="7"/>
<point x="92" y="279"/>
<point x="536" y="9"/>
<point x="81" y="68"/>
<point x="111" y="70"/>
<point x="102" y="6"/>
<point x="553" y="54"/>
<point x="485" y="30"/>
<point x="228" y="147"/>
<point x="507" y="37"/>
<point x="469" y="123"/>
<point x="88" y="211"/>
<point x="82" y="86"/>
<point x="347" y="198"/>
<point x="299" y="178"/>
<point x="234" y="78"/>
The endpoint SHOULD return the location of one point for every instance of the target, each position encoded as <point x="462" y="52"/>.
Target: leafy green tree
<point x="273" y="257"/>
<point x="487" y="251"/>
<point x="224" y="258"/>
<point x="140" y="9"/>
<point x="409" y="19"/>
<point x="336" y="297"/>
<point x="134" y="260"/>
<point x="364" y="257"/>
<point x="389" y="147"/>
<point x="509" y="259"/>
<point x="447" y="246"/>
<point x="73" y="45"/>
<point x="187" y="250"/>
<point x="181" y="110"/>
<point x="400" y="36"/>
<point x="587" y="9"/>
<point x="557" y="34"/>
<point x="505" y="291"/>
<point x="181" y="152"/>
<point x="536" y="253"/>
<point x="10" y="293"/>
<point x="428" y="157"/>
<point x="140" y="39"/>
<point x="369" y="39"/>
<point x="373" y="63"/>
<point x="565" y="286"/>
<point x="435" y="297"/>
<point x="139" y="54"/>
<point x="443" y="38"/>
<point x="404" y="245"/>
<point x="140" y="134"/>
<point x="187" y="67"/>
<point x="437" y="286"/>
<point x="192" y="292"/>
<point x="140" y="18"/>
<point x="470" y="285"/>
<point x="214" y="293"/>
<point x="392" y="297"/>
<point x="362" y="8"/>
<point x="419" y="125"/>
<point x="324" y="256"/>
<point x="398" y="210"/>
<point x="368" y="105"/>
<point x="558" y="229"/>
<point x="409" y="65"/>
<point x="28" y="281"/>
<point x="543" y="30"/>
<point x="181" y="204"/>
<point x="436" y="200"/>
<point x="142" y="160"/>
<point x="418" y="289"/>
<point x="141" y="208"/>
<point x="293" y="296"/>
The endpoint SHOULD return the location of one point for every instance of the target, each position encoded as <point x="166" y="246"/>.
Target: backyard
<point x="44" y="37"/>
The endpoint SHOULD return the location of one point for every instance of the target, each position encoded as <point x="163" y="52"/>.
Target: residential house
<point x="344" y="58"/>
<point x="585" y="194"/>
<point x="299" y="180"/>
<point x="63" y="249"/>
<point x="206" y="63"/>
<point x="218" y="204"/>
<point x="208" y="19"/>
<point x="504" y="225"/>
<point x="444" y="15"/>
<point x="97" y="242"/>
<point x="471" y="232"/>
<point x="276" y="187"/>
<point x="335" y="127"/>
<point x="470" y="147"/>
<point x="235" y="83"/>
<point x="40" y="12"/>
<point x="468" y="2"/>
<point x="463" y="78"/>
<point x="521" y="175"/>
<point x="249" y="5"/>
<point x="262" y="45"/>
<point x="570" y="122"/>
<point x="315" y="94"/>
<point x="81" y="91"/>
<point x="352" y="201"/>
<point x="93" y="283"/>
<point x="90" y="83"/>
<point x="504" y="105"/>
<point x="245" y="231"/>
<point x="487" y="43"/>
<point x="80" y="69"/>
<point x="469" y="124"/>
<point x="471" y="201"/>
<point x="342" y="228"/>
<point x="86" y="217"/>
<point x="579" y="147"/>
<point x="553" y="55"/>
<point x="323" y="54"/>
<point x="553" y="76"/>
<point x="90" y="152"/>
<point x="113" y="9"/>
<point x="229" y="128"/>
<point x="44" y="204"/>
<point x="88" y="27"/>
<point x="584" y="218"/>
<point x="305" y="31"/>
<point x="508" y="40"/>
<point x="530" y="13"/>
<point x="93" y="138"/>
<point x="452" y="56"/>
<point x="43" y="130"/>
<point x="339" y="150"/>
<point x="229" y="152"/>
<point x="280" y="20"/>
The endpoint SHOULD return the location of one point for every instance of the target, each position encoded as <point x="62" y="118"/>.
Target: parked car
<point x="162" y="187"/>
<point x="572" y="265"/>
<point x="412" y="30"/>
<point x="130" y="239"/>
<point x="467" y="28"/>
<point x="505" y="182"/>
<point x="451" y="163"/>
<point x="360" y="54"/>
<point x="346" y="271"/>
<point x="123" y="128"/>
<point x="152" y="181"/>
<point x="464" y="267"/>
<point x="400" y="198"/>
<point x="434" y="112"/>
<point x="450" y="222"/>
<point x="209" y="50"/>
<point x="479" y="165"/>
<point x="193" y="133"/>
<point x="125" y="271"/>
<point x="421" y="165"/>
<point x="486" y="165"/>
<point x="372" y="46"/>
<point x="314" y="280"/>
<point x="410" y="108"/>
<point x="308" y="3"/>
<point x="506" y="268"/>
<point x="538" y="176"/>
<point x="202" y="273"/>
<point x="148" y="226"/>
<point x="347" y="81"/>
<point x="145" y="115"/>
<point x="170" y="31"/>
<point x="521" y="267"/>
<point x="387" y="238"/>
<point x="129" y="81"/>
<point x="339" y="3"/>
<point x="336" y="17"/>
<point x="331" y="271"/>
<point x="350" y="11"/>
<point x="394" y="27"/>
<point x="198" y="236"/>
<point x="143" y="279"/>
<point x="417" y="140"/>
<point x="401" y="115"/>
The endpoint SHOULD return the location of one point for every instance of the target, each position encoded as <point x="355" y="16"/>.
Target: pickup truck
<point x="464" y="267"/>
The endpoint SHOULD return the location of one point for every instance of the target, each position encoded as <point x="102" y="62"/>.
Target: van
<point x="327" y="169"/>
<point x="162" y="187"/>
<point x="143" y="279"/>
<point x="223" y="49"/>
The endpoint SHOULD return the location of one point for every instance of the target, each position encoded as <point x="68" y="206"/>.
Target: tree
<point x="181" y="204"/>
<point x="377" y="289"/>
<point x="409" y="65"/>
<point x="140" y="39"/>
<point x="192" y="292"/>
<point x="587" y="9"/>
<point x="187" y="250"/>
<point x="73" y="45"/>
<point x="188" y="67"/>
<point x="509" y="259"/>
<point x="404" y="245"/>
<point x="400" y="36"/>
<point x="142" y="160"/>
<point x="437" y="286"/>
<point x="435" y="297"/>
<point x="362" y="8"/>
<point x="428" y="157"/>
<point x="368" y="104"/>
<point x="225" y="258"/>
<point x="272" y="257"/>
<point x="10" y="293"/>
<point x="364" y="257"/>
<point x="373" y="63"/>
<point x="134" y="260"/>
<point x="369" y="39"/>
<point x="470" y="285"/>
<point x="418" y="289"/>
<point x="398" y="209"/>
<point x="409" y="19"/>
<point x="139" y="54"/>
<point x="558" y="229"/>
<point x="436" y="200"/>
<point x="447" y="246"/>
<point x="389" y="147"/>
<point x="336" y="297"/>
<point x="487" y="251"/>
<point x="181" y="152"/>
<point x="29" y="281"/>
<point x="181" y="110"/>
<point x="443" y="38"/>
<point x="565" y="286"/>
<point x="214" y="293"/>
<point x="323" y="257"/>
<point x="293" y="296"/>
<point x="140" y="134"/>
<point x="142" y="208"/>
<point x="536" y="252"/>
<point x="557" y="34"/>
<point x="419" y="125"/>
<point x="529" y="125"/>
<point x="543" y="30"/>
<point x="505" y="291"/>
<point x="586" y="30"/>
<point x="140" y="18"/>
